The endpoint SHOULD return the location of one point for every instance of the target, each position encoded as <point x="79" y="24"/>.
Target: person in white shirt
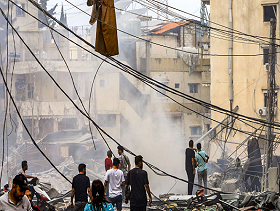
<point x="115" y="178"/>
<point x="16" y="199"/>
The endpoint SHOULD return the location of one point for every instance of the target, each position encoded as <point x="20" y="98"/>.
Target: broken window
<point x="193" y="88"/>
<point x="196" y="130"/>
<point x="19" y="12"/>
<point x="30" y="91"/>
<point x="269" y="12"/>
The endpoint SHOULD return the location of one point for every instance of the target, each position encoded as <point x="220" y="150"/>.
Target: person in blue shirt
<point x="201" y="159"/>
<point x="98" y="199"/>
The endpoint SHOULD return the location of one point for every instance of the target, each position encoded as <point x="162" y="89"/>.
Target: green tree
<point x="42" y="16"/>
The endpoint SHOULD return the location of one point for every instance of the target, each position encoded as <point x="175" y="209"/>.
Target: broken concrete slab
<point x="230" y="186"/>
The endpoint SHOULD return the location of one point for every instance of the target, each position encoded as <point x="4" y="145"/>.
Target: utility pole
<point x="270" y="97"/>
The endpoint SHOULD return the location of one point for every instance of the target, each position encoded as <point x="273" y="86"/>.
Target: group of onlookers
<point x="121" y="184"/>
<point x="196" y="160"/>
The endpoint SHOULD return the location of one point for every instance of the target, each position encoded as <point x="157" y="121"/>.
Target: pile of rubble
<point x="53" y="190"/>
<point x="218" y="202"/>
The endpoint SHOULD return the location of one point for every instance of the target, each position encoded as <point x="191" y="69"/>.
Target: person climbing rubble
<point x="80" y="189"/>
<point x="201" y="159"/>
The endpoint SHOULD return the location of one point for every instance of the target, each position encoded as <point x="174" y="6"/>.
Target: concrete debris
<point x="215" y="180"/>
<point x="230" y="202"/>
<point x="230" y="186"/>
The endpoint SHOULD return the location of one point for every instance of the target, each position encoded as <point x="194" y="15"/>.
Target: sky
<point x="77" y="18"/>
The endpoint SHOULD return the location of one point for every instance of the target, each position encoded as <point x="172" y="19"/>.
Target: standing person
<point x="115" y="179"/>
<point x="98" y="199"/>
<point x="108" y="165"/>
<point x="201" y="158"/>
<point x="125" y="165"/>
<point x="16" y="199"/>
<point x="80" y="187"/>
<point x="108" y="161"/>
<point x="24" y="168"/>
<point x="137" y="178"/>
<point x="190" y="166"/>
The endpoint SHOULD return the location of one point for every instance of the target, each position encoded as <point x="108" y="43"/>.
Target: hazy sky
<point x="77" y="18"/>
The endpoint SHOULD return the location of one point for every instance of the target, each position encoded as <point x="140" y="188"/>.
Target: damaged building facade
<point x="186" y="72"/>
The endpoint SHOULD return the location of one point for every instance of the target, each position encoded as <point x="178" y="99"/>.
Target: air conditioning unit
<point x="266" y="67"/>
<point x="262" y="111"/>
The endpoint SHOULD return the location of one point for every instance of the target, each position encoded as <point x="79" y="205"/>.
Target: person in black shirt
<point x="138" y="180"/>
<point x="80" y="187"/>
<point x="190" y="166"/>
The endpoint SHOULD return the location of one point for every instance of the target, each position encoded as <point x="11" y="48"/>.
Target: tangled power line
<point x="145" y="79"/>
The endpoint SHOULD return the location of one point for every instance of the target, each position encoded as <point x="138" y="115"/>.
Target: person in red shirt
<point x="108" y="161"/>
<point x="108" y="165"/>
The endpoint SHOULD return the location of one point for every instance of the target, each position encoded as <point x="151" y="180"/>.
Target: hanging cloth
<point x="106" y="42"/>
<point x="96" y="10"/>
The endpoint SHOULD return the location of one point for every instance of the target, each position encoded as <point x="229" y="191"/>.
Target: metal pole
<point x="270" y="95"/>
<point x="230" y="66"/>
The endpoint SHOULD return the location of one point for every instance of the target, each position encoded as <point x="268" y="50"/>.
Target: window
<point x="193" y="88"/>
<point x="265" y="55"/>
<point x="266" y="100"/>
<point x="177" y="85"/>
<point x="19" y="12"/>
<point x="161" y="92"/>
<point x="197" y="130"/>
<point x="30" y="91"/>
<point x="102" y="83"/>
<point x="269" y="12"/>
<point x="20" y="86"/>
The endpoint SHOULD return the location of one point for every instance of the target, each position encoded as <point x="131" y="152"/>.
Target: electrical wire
<point x="161" y="45"/>
<point x="153" y="168"/>
<point x="125" y="66"/>
<point x="234" y="31"/>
